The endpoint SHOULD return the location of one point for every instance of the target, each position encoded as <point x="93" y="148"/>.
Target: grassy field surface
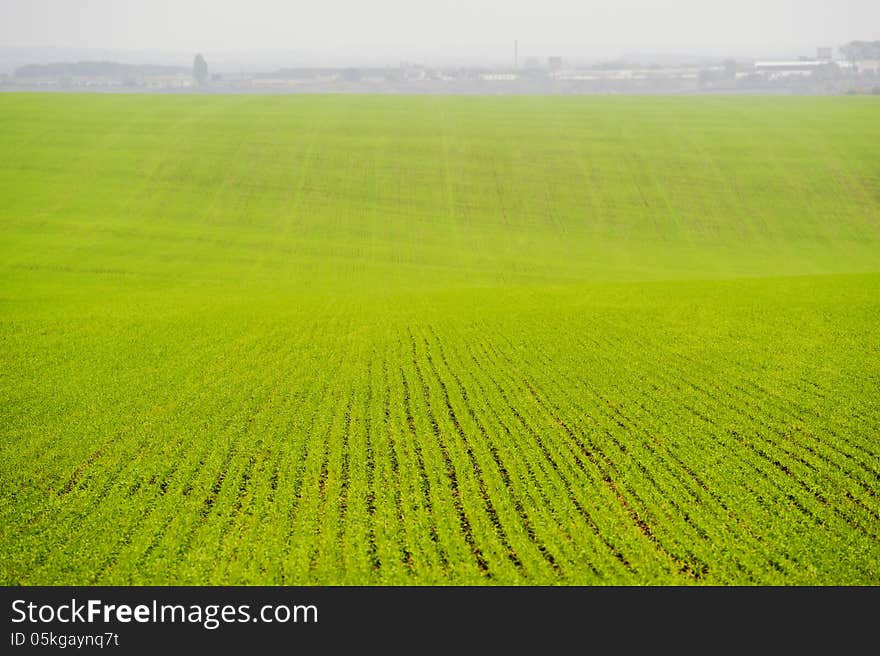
<point x="428" y="340"/>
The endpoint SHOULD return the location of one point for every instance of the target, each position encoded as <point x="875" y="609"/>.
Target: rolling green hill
<point x="410" y="340"/>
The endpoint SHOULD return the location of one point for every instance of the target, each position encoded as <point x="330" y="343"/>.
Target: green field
<point x="428" y="340"/>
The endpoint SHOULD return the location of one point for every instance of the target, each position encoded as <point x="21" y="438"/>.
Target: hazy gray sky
<point x="440" y="28"/>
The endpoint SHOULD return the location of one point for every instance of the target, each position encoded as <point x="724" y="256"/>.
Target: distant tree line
<point x="94" y="69"/>
<point x="861" y="50"/>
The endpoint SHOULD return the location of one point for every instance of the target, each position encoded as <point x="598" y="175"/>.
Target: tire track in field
<point x="678" y="462"/>
<point x="243" y="489"/>
<point x="673" y="383"/>
<point x="405" y="553"/>
<point x="186" y="486"/>
<point x="784" y="404"/>
<point x="244" y="481"/>
<point x="833" y="446"/>
<point x="185" y="491"/>
<point x="291" y="411"/>
<point x="557" y="469"/>
<point x="489" y="507"/>
<point x="94" y="456"/>
<point x="423" y="475"/>
<point x="163" y="484"/>
<point x="783" y="407"/>
<point x="451" y="474"/>
<point x="500" y="388"/>
<point x="804" y="485"/>
<point x="546" y="554"/>
<point x="624" y="422"/>
<point x="540" y="487"/>
<point x="292" y="415"/>
<point x="754" y="419"/>
<point x="863" y="445"/>
<point x="82" y="474"/>
<point x="323" y="475"/>
<point x="693" y="566"/>
<point x="127" y="535"/>
<point x="345" y="481"/>
<point x="300" y="468"/>
<point x="370" y="466"/>
<point x="816" y="472"/>
<point x="206" y="507"/>
<point x="306" y="515"/>
<point x="713" y="398"/>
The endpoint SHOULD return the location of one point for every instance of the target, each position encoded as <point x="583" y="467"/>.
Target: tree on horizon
<point x="200" y="69"/>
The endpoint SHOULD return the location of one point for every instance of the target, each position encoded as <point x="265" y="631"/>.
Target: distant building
<point x="788" y="68"/>
<point x="554" y="64"/>
<point x="179" y="81"/>
<point x="774" y="70"/>
<point x="532" y="63"/>
<point x="272" y="82"/>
